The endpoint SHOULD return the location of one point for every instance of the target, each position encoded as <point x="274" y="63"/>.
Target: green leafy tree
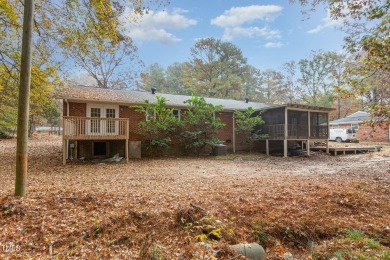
<point x="273" y="87"/>
<point x="92" y="37"/>
<point x="247" y="122"/>
<point x="317" y="77"/>
<point x="11" y="51"/>
<point x="160" y="124"/>
<point x="293" y="90"/>
<point x="216" y="69"/>
<point x="367" y="24"/>
<point x="200" y="124"/>
<point x="154" y="77"/>
<point x="252" y="84"/>
<point x="175" y="79"/>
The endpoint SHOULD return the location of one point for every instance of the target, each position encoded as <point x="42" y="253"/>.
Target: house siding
<point x="75" y="109"/>
<point x="134" y="118"/>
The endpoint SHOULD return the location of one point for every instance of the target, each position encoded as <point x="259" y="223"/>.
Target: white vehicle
<point x="341" y="134"/>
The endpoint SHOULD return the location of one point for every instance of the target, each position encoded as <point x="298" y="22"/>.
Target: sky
<point x="269" y="33"/>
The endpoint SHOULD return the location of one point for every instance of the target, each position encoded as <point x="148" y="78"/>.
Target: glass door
<point x="111" y="124"/>
<point x="95" y="123"/>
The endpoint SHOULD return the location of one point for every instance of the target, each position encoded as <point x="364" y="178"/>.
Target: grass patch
<point x="353" y="245"/>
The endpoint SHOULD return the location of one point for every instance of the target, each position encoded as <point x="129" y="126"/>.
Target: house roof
<point x="135" y="97"/>
<point x="355" y="118"/>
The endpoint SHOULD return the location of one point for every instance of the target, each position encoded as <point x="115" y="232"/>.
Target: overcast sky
<point x="269" y="33"/>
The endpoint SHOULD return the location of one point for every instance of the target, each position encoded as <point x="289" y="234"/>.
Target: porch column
<point x="75" y="149"/>
<point x="127" y="140"/>
<point x="327" y="146"/>
<point x="63" y="151"/>
<point x="127" y="150"/>
<point x="285" y="148"/>
<point x="308" y="147"/>
<point x="285" y="132"/>
<point x="234" y="134"/>
<point x="63" y="142"/>
<point x="327" y="137"/>
<point x="308" y="134"/>
<point x="267" y="146"/>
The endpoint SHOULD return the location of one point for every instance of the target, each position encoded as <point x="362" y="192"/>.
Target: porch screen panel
<point x="110" y="113"/>
<point x="319" y="125"/>
<point x="95" y="124"/>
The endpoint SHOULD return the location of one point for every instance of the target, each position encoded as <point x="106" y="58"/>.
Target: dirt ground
<point x="192" y="208"/>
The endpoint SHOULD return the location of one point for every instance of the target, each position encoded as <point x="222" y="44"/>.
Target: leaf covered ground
<point x="191" y="208"/>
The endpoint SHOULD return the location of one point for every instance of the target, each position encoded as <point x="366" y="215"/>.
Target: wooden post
<point x="234" y="135"/>
<point x="308" y="125"/>
<point x="24" y="97"/>
<point x="327" y="146"/>
<point x="75" y="149"/>
<point x="64" y="142"/>
<point x="285" y="132"/>
<point x="308" y="147"/>
<point x="285" y="148"/>
<point x="127" y="150"/>
<point x="127" y="141"/>
<point x="327" y="137"/>
<point x="267" y="146"/>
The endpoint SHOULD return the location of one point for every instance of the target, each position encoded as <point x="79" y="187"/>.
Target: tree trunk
<point x="24" y="95"/>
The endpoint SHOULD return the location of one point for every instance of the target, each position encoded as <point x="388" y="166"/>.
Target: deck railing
<point x="319" y="131"/>
<point x="88" y="128"/>
<point x="295" y="131"/>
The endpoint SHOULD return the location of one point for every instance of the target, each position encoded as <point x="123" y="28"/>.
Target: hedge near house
<point x="159" y="126"/>
<point x="199" y="125"/>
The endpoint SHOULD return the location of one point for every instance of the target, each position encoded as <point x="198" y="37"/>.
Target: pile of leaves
<point x="194" y="207"/>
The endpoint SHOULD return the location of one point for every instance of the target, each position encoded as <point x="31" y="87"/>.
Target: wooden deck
<point x="348" y="149"/>
<point x="93" y="128"/>
<point x="79" y="128"/>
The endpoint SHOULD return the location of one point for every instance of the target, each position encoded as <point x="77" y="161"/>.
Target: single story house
<point x="360" y="123"/>
<point x="101" y="122"/>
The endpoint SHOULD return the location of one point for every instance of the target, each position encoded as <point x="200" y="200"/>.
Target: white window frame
<point x="147" y="115"/>
<point x="103" y="108"/>
<point x="178" y="112"/>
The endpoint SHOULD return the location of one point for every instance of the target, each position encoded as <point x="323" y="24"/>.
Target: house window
<point x="176" y="113"/>
<point x="150" y="114"/>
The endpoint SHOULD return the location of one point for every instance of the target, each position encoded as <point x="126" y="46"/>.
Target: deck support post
<point x="327" y="146"/>
<point x="308" y="147"/>
<point x="234" y="135"/>
<point x="127" y="140"/>
<point x="285" y="148"/>
<point x="267" y="146"/>
<point x="127" y="150"/>
<point x="64" y="151"/>
<point x="75" y="149"/>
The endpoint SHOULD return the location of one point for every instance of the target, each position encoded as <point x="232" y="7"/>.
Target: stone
<point x="288" y="256"/>
<point x="252" y="251"/>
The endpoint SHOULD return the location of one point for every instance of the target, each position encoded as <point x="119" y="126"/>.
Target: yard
<point x="191" y="208"/>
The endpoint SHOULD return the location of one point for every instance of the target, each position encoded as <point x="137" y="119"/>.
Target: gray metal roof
<point x="355" y="118"/>
<point x="134" y="97"/>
